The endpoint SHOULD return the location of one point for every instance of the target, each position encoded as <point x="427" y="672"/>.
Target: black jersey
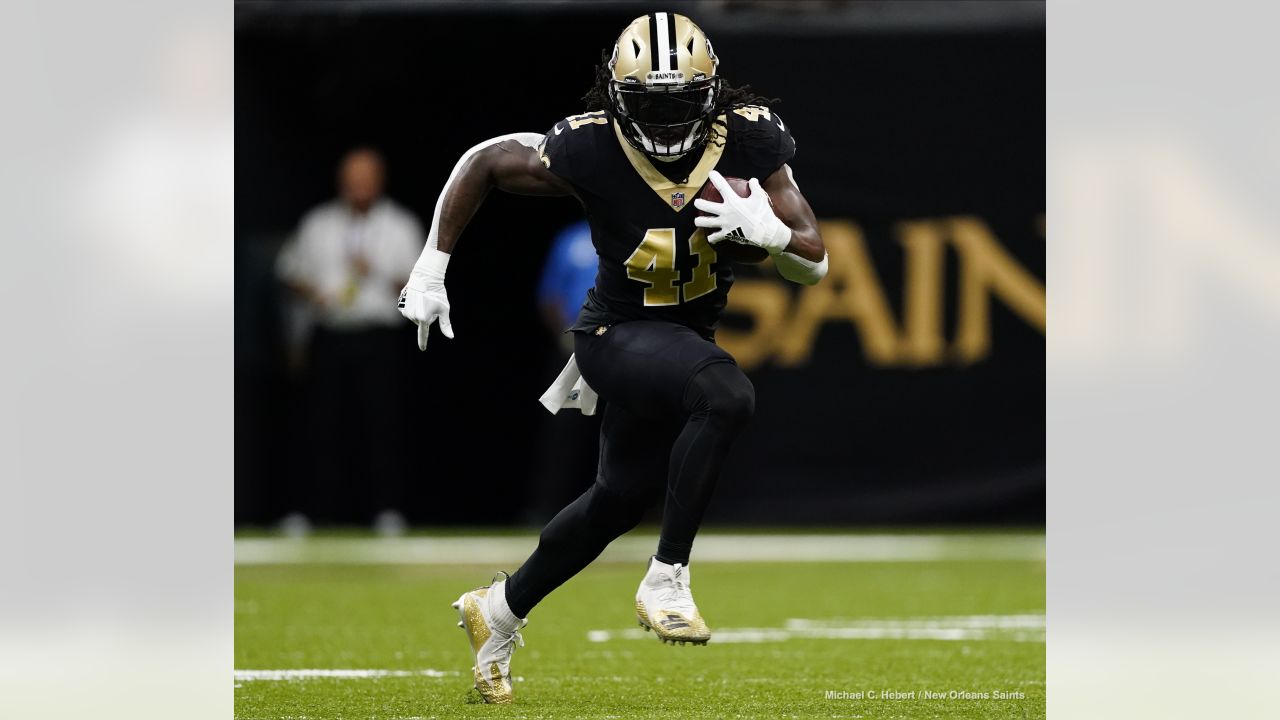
<point x="655" y="264"/>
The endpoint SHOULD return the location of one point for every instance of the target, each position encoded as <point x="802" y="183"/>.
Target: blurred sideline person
<point x="660" y="124"/>
<point x="564" y="461"/>
<point x="567" y="274"/>
<point x="345" y="266"/>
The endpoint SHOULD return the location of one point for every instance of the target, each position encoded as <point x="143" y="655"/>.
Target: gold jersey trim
<point x="666" y="189"/>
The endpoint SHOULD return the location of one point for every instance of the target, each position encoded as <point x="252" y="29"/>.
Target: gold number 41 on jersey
<point x="654" y="263"/>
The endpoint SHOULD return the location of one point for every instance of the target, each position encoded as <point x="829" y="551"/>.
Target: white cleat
<point x="491" y="645"/>
<point x="664" y="604"/>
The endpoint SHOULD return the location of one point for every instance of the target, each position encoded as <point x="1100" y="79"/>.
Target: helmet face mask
<point x="664" y="88"/>
<point x="665" y="120"/>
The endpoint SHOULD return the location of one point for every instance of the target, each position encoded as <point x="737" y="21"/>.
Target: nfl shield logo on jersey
<point x="677" y="199"/>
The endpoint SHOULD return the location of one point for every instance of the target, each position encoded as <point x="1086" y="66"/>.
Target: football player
<point x="660" y="125"/>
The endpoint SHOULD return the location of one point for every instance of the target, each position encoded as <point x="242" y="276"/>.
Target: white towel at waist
<point x="570" y="390"/>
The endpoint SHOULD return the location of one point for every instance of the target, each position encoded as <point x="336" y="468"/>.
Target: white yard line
<point x="316" y="674"/>
<point x="969" y="622"/>
<point x="512" y="550"/>
<point x="1014" y="628"/>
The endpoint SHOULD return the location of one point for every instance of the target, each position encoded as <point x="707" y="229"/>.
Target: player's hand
<point x="749" y="220"/>
<point x="424" y="301"/>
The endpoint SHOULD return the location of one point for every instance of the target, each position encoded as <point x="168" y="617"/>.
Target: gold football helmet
<point x="664" y="85"/>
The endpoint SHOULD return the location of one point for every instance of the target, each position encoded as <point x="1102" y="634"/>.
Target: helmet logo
<point x="665" y="76"/>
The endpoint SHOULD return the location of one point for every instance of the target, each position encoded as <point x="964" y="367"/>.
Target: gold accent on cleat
<point x="675" y="627"/>
<point x="477" y="629"/>
<point x="493" y="689"/>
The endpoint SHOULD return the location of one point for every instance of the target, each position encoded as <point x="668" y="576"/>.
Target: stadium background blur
<point x="906" y="388"/>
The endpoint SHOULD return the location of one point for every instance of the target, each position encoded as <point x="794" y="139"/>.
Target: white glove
<point x="748" y="220"/>
<point x="424" y="299"/>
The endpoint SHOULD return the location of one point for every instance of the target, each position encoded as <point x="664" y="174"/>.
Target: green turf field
<point x="796" y="639"/>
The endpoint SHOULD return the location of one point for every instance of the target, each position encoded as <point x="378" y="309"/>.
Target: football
<point x="733" y="251"/>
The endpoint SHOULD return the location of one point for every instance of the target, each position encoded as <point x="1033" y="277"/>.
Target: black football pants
<point x="674" y="404"/>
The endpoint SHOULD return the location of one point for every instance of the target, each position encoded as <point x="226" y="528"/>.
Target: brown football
<point x="728" y="249"/>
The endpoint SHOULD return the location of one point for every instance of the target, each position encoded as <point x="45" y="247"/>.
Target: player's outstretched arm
<point x="508" y="163"/>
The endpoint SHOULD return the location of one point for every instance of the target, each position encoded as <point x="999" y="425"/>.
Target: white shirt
<point x="322" y="254"/>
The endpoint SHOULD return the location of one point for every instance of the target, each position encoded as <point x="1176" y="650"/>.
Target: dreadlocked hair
<point x="729" y="97"/>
